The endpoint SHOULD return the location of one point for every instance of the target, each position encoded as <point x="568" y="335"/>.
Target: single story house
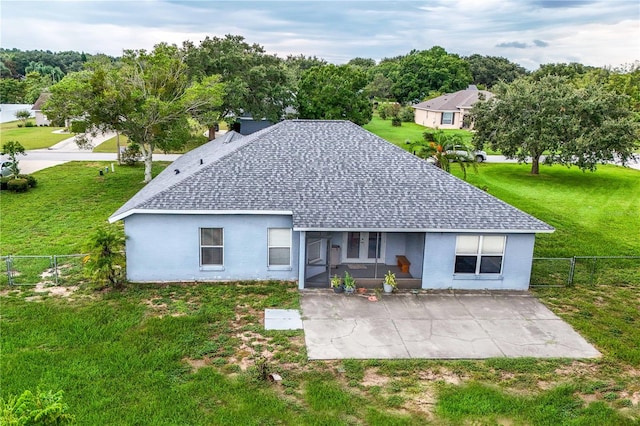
<point x="41" y="118"/>
<point x="304" y="200"/>
<point x="448" y="111"/>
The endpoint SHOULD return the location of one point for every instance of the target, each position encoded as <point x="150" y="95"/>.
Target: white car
<point x="480" y="156"/>
<point x="5" y="168"/>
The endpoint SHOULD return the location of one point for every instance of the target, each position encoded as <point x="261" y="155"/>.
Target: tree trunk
<point x="212" y="133"/>
<point x="147" y="154"/>
<point x="118" y="146"/>
<point x="535" y="165"/>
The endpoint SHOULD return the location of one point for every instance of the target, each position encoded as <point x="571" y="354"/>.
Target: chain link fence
<point x="41" y="270"/>
<point x="568" y="271"/>
<point x="546" y="271"/>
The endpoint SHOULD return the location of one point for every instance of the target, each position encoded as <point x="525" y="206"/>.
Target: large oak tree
<point x="333" y="92"/>
<point x="148" y="97"/>
<point x="550" y="115"/>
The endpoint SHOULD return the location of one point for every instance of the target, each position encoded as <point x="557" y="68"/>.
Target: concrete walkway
<point x="441" y="325"/>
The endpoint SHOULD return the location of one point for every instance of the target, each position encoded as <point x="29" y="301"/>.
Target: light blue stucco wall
<point x="440" y="260"/>
<point x="165" y="247"/>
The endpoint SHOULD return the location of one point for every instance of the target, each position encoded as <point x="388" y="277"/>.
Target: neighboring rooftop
<point x="462" y="99"/>
<point x="327" y="175"/>
<point x="40" y="101"/>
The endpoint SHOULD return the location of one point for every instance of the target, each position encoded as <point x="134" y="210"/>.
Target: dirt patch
<point x="633" y="397"/>
<point x="423" y="403"/>
<point x="59" y="291"/>
<point x="197" y="364"/>
<point x="578" y="369"/>
<point x="373" y="378"/>
<point x="443" y="375"/>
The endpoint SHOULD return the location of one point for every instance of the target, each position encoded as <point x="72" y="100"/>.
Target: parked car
<point x="480" y="156"/>
<point x="5" y="168"/>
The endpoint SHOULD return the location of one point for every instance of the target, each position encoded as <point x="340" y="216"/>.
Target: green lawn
<point x="70" y="201"/>
<point x="411" y="131"/>
<point x="595" y="214"/>
<point x="187" y="354"/>
<point x="31" y="137"/>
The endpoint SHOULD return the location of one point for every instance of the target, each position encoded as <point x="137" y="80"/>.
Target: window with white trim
<point x="211" y="247"/>
<point x="447" y="118"/>
<point x="279" y="242"/>
<point x="479" y="254"/>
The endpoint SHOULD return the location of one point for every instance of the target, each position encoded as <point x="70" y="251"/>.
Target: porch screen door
<point x="364" y="246"/>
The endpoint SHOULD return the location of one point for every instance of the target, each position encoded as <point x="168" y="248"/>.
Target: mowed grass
<point x="31" y="137"/>
<point x="407" y="132"/>
<point x="187" y="354"/>
<point x="69" y="203"/>
<point x="595" y="214"/>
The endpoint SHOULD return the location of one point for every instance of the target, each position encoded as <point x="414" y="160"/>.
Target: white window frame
<point x="479" y="254"/>
<point x="269" y="247"/>
<point x="202" y="246"/>
<point x="443" y="121"/>
<point x="312" y="247"/>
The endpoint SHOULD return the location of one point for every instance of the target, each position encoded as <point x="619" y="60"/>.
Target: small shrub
<point x="131" y="155"/>
<point x="3" y="183"/>
<point x="396" y="122"/>
<point x="41" y="408"/>
<point x="29" y="124"/>
<point x="20" y="125"/>
<point x="429" y="136"/>
<point x="78" y="127"/>
<point x="33" y="182"/>
<point x="18" y="185"/>
<point x="406" y="114"/>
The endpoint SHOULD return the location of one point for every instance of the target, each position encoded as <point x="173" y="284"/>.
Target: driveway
<point x="440" y="325"/>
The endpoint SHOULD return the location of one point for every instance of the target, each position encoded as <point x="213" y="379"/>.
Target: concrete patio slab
<point x="282" y="319"/>
<point x="441" y="325"/>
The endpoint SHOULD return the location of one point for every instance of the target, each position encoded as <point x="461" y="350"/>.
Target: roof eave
<point x="124" y="215"/>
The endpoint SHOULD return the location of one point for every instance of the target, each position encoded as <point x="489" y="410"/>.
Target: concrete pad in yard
<point x="444" y="339"/>
<point x="353" y="338"/>
<point x="540" y="339"/>
<point x="282" y="319"/>
<point x="447" y="326"/>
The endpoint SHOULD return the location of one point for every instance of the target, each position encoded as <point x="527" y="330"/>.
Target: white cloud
<point x="593" y="33"/>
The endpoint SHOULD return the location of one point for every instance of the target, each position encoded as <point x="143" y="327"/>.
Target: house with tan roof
<point x="304" y="200"/>
<point x="41" y="118"/>
<point x="448" y="111"/>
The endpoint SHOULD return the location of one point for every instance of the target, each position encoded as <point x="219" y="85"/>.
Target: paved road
<point x="39" y="159"/>
<point x="503" y="159"/>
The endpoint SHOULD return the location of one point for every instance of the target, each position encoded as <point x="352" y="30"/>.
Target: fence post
<point x="572" y="270"/>
<point x="55" y="268"/>
<point x="9" y="276"/>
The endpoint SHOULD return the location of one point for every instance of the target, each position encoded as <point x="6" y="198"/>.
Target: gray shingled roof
<point x="454" y="101"/>
<point x="330" y="175"/>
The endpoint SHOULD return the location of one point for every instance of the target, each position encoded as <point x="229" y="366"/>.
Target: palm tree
<point x="443" y="149"/>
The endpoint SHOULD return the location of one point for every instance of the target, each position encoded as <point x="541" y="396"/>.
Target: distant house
<point x="304" y="200"/>
<point x="41" y="119"/>
<point x="448" y="111"/>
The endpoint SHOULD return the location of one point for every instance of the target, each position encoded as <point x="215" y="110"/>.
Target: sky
<point x="527" y="32"/>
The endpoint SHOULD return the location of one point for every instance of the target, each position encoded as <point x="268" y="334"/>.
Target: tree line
<point x="154" y="97"/>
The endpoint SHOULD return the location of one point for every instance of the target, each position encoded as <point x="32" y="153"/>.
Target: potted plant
<point x="390" y="282"/>
<point x="349" y="283"/>
<point x="336" y="284"/>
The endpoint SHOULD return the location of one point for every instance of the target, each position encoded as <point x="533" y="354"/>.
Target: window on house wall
<point x="211" y="246"/>
<point x="279" y="247"/>
<point x="479" y="254"/>
<point x="447" y="118"/>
